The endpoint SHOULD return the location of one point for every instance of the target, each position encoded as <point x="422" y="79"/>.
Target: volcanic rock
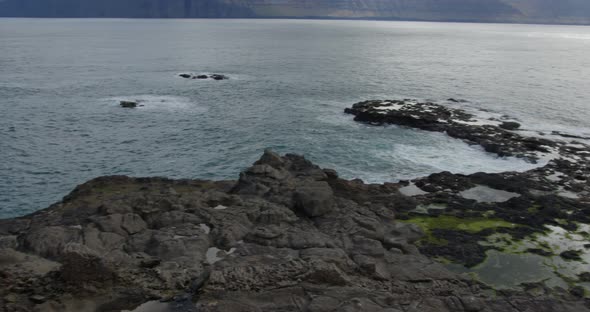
<point x="286" y="235"/>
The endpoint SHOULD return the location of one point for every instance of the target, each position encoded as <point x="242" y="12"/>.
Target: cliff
<point x="526" y="11"/>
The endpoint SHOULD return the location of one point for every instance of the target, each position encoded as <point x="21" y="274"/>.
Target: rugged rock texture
<point x="531" y="11"/>
<point x="287" y="236"/>
<point x="555" y="194"/>
<point x="492" y="135"/>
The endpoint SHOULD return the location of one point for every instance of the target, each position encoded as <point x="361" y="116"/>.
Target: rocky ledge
<point x="535" y="221"/>
<point x="287" y="236"/>
<point x="493" y="135"/>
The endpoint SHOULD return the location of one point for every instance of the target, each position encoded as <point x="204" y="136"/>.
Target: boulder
<point x="187" y="76"/>
<point x="219" y="77"/>
<point x="49" y="241"/>
<point x="133" y="223"/>
<point x="314" y="199"/>
<point x="201" y="77"/>
<point x="82" y="264"/>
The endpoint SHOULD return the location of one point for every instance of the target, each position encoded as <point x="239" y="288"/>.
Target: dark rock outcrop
<point x="202" y="76"/>
<point x="287" y="236"/>
<point x="128" y="104"/>
<point x="218" y="77"/>
<point x="509" y="125"/>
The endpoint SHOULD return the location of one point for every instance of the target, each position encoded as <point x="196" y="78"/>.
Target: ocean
<point x="61" y="81"/>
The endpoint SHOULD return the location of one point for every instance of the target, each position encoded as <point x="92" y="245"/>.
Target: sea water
<point x="290" y="80"/>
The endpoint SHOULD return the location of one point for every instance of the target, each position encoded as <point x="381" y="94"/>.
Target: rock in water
<point x="219" y="77"/>
<point x="457" y="100"/>
<point x="571" y="255"/>
<point x="456" y="123"/>
<point x="510" y="125"/>
<point x="203" y="76"/>
<point x="128" y="104"/>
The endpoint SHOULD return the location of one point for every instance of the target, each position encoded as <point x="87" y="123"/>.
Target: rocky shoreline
<point x="290" y="236"/>
<point x="497" y="211"/>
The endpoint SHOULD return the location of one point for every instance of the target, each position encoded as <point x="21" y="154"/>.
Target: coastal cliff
<point x="516" y="11"/>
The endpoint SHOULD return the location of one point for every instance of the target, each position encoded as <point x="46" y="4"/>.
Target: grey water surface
<point x="61" y="80"/>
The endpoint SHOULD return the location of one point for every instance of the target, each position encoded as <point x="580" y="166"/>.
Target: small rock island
<point x="204" y="76"/>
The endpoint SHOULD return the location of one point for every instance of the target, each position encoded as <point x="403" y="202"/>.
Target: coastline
<point x="296" y="233"/>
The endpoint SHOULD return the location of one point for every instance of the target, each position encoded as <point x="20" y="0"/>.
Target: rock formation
<point x="287" y="236"/>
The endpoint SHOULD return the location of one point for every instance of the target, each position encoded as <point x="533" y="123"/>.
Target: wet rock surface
<point x="493" y="135"/>
<point x="287" y="236"/>
<point x="544" y="211"/>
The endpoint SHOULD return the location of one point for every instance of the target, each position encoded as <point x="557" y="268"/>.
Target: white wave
<point x="457" y="157"/>
<point x="156" y="102"/>
<point x="575" y="36"/>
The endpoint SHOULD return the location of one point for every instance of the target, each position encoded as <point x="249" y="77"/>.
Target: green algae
<point x="534" y="208"/>
<point x="561" y="221"/>
<point x="515" y="254"/>
<point x="471" y="225"/>
<point x="423" y="209"/>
